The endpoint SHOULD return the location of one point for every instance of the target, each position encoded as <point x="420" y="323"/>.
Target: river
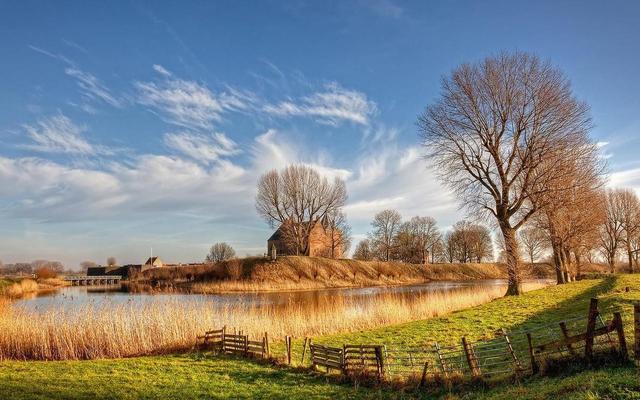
<point x="81" y="296"/>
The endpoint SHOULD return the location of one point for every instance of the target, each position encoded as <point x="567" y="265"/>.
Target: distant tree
<point x="111" y="261"/>
<point x="629" y="213"/>
<point x="427" y="236"/>
<point x="220" y="252"/>
<point x="385" y="227"/>
<point x="85" y="265"/>
<point x="339" y="232"/>
<point x="533" y="242"/>
<point x="363" y="251"/>
<point x="496" y="134"/>
<point x="295" y="197"/>
<point x="55" y="266"/>
<point x="612" y="228"/>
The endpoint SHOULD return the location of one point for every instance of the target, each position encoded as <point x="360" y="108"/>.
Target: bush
<point x="45" y="273"/>
<point x="233" y="269"/>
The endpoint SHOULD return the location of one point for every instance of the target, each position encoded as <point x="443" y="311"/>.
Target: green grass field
<point x="195" y="376"/>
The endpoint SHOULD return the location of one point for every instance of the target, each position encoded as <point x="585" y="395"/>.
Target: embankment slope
<point x="297" y="272"/>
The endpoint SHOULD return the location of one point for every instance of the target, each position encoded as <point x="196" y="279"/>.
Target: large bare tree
<point x="297" y="197"/>
<point x="495" y="135"/>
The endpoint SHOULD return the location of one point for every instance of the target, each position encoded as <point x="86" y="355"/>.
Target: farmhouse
<point x="323" y="241"/>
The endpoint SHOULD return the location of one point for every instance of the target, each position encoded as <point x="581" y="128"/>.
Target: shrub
<point x="45" y="273"/>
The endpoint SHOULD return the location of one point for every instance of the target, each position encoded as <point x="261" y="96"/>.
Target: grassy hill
<point x="295" y="272"/>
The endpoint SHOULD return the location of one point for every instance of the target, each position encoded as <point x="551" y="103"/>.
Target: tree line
<point x="420" y="241"/>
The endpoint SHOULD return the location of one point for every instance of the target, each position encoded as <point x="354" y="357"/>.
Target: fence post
<point x="380" y="362"/>
<point x="441" y="360"/>
<point x="287" y="344"/>
<point x="565" y="333"/>
<point x="246" y="345"/>
<point x="534" y="364"/>
<point x="423" y="380"/>
<point x="636" y="334"/>
<point x="304" y="350"/>
<point x="511" y="351"/>
<point x="591" y="327"/>
<point x="224" y="334"/>
<point x="619" y="325"/>
<point x="266" y="343"/>
<point x="471" y="359"/>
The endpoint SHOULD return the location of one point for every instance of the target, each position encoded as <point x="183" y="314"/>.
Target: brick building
<point x="323" y="241"/>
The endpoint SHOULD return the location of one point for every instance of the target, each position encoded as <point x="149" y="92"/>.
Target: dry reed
<point x="107" y="330"/>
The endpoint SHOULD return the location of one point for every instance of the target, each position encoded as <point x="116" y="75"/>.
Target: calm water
<point x="78" y="296"/>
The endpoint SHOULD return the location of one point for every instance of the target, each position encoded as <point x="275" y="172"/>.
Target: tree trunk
<point x="557" y="260"/>
<point x="578" y="265"/>
<point x="511" y="253"/>
<point x="630" y="254"/>
<point x="566" y="264"/>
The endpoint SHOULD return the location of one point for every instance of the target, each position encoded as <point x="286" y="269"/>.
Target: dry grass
<point x="125" y="330"/>
<point x="21" y="288"/>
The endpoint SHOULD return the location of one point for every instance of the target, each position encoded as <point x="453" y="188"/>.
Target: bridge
<point x="93" y="280"/>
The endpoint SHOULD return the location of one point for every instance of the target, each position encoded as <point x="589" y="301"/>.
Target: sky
<point x="127" y="126"/>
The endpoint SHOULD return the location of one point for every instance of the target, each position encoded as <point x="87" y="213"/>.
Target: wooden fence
<point x="232" y="343"/>
<point x="327" y="357"/>
<point x="508" y="354"/>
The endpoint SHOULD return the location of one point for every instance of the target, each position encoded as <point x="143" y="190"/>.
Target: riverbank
<point x="146" y="325"/>
<point x="18" y="288"/>
<point x="257" y="274"/>
<point x="194" y="375"/>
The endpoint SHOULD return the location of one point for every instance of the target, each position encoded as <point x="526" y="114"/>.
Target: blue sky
<point x="131" y="125"/>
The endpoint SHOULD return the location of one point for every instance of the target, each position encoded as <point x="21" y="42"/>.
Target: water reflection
<point x="79" y="296"/>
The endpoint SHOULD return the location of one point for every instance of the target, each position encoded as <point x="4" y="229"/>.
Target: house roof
<point x="151" y="260"/>
<point x="277" y="235"/>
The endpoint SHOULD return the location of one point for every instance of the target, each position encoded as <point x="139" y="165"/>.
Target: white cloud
<point x="625" y="178"/>
<point x="202" y="148"/>
<point x="331" y="106"/>
<point x="92" y="87"/>
<point x="58" y="134"/>
<point x="188" y="103"/>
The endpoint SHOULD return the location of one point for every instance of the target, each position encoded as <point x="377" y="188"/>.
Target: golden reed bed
<point x="99" y="330"/>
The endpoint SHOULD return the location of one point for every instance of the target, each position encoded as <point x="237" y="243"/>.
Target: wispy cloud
<point x="384" y="8"/>
<point x="332" y="106"/>
<point x="201" y="148"/>
<point x="59" y="134"/>
<point x="91" y="86"/>
<point x="187" y="103"/>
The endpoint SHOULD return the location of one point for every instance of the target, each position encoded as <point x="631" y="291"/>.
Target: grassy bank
<point x="193" y="376"/>
<point x="16" y="288"/>
<point x="296" y="273"/>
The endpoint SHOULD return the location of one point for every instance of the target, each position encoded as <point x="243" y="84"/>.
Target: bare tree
<point x="339" y="232"/>
<point x="298" y="196"/>
<point x="612" y="230"/>
<point x="85" y="265"/>
<point x="629" y="213"/>
<point x="363" y="251"/>
<point x="496" y="134"/>
<point x="220" y="252"/>
<point x="427" y="236"/>
<point x="533" y="242"/>
<point x="385" y="226"/>
<point x="111" y="261"/>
